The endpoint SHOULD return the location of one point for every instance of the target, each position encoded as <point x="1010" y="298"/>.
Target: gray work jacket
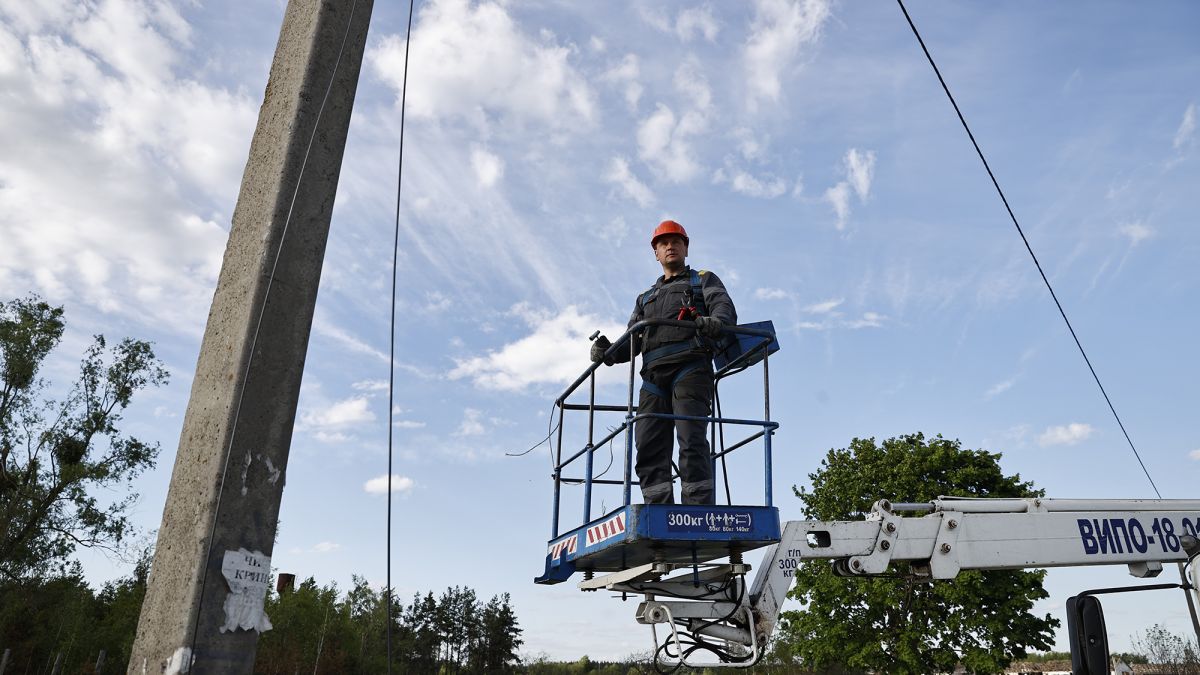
<point x="663" y="301"/>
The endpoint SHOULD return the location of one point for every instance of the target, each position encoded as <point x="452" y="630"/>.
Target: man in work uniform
<point x="677" y="370"/>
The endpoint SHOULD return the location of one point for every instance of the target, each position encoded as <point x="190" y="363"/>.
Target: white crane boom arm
<point x="708" y="606"/>
<point x="975" y="534"/>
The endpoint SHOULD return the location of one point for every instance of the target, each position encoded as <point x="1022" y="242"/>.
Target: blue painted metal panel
<point x="710" y="523"/>
<point x="641" y="533"/>
<point x="739" y="344"/>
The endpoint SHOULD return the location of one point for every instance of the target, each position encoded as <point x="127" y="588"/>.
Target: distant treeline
<point x="60" y="624"/>
<point x="315" y="629"/>
<point x="61" y="620"/>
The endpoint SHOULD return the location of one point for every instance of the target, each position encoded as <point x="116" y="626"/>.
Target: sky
<point x="805" y="145"/>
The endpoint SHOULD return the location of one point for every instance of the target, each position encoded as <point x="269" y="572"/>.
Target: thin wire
<point x="549" y="432"/>
<point x="1029" y="248"/>
<point x="259" y="322"/>
<point x="392" y="333"/>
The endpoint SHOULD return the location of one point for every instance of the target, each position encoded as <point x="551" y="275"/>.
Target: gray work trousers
<point x="664" y="391"/>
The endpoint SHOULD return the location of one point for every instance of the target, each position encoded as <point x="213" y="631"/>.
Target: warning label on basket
<point x="691" y="521"/>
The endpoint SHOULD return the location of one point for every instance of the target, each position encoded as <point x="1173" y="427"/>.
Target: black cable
<point x="689" y="640"/>
<point x="549" y="432"/>
<point x="237" y="411"/>
<point x="611" y="456"/>
<point x="392" y="331"/>
<point x="721" y="427"/>
<point x="1027" y="246"/>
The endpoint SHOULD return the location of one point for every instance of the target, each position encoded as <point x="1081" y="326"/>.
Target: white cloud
<point x="326" y="547"/>
<point x="828" y="318"/>
<point x="742" y="182"/>
<point x="1187" y="128"/>
<point x="134" y="41"/>
<point x="488" y="167"/>
<point x="839" y="197"/>
<point x="350" y="412"/>
<point x="824" y="307"/>
<point x="333" y="437"/>
<point x="798" y="190"/>
<point x="665" y="138"/>
<point x="1195" y="454"/>
<point x="780" y="29"/>
<point x="1069" y="434"/>
<point x="696" y="22"/>
<point x="555" y="351"/>
<point x="689" y="81"/>
<point x="620" y="175"/>
<point x="689" y="24"/>
<point x="626" y="74"/>
<point x="615" y="230"/>
<point x="93" y="115"/>
<point x="477" y="64"/>
<point x="408" y="424"/>
<point x="343" y="337"/>
<point x="771" y="294"/>
<point x="436" y="302"/>
<point x="664" y="143"/>
<point x="379" y="484"/>
<point x="370" y="385"/>
<point x="859" y="169"/>
<point x="748" y="144"/>
<point x="867" y="320"/>
<point x="1137" y="232"/>
<point x="768" y="187"/>
<point x="472" y="424"/>
<point x="999" y="388"/>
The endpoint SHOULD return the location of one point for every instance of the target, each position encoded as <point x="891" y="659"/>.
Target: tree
<point x="501" y="637"/>
<point x="981" y="619"/>
<point x="309" y="631"/>
<point x="314" y="630"/>
<point x="61" y="617"/>
<point x="54" y="455"/>
<point x="1171" y="654"/>
<point x="120" y="605"/>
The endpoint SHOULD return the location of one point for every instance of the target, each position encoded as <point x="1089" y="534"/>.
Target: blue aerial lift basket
<point x="636" y="534"/>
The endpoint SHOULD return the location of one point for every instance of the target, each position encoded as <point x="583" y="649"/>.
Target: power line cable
<point x="241" y="394"/>
<point x="392" y="332"/>
<point x="1029" y="248"/>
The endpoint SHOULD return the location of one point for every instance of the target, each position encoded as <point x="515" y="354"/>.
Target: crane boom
<point x="953" y="535"/>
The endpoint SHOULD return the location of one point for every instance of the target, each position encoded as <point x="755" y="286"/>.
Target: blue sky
<point x="806" y="146"/>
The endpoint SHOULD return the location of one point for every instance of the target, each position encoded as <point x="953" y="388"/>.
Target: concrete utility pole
<point x="203" y="607"/>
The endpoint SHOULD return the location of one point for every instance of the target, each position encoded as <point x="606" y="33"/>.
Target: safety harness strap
<point x="696" y="282"/>
<point x="667" y="350"/>
<point x="655" y="390"/>
<point x="698" y="293"/>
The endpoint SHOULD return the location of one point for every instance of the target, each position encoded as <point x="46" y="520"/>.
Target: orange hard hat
<point x="668" y="227"/>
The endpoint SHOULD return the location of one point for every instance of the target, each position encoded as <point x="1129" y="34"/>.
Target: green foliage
<point x="55" y="455"/>
<point x="895" y="624"/>
<point x="41" y="619"/>
<point x="1047" y="657"/>
<point x="632" y="666"/>
<point x="1170" y="653"/>
<point x="1129" y="658"/>
<point x="315" y="629"/>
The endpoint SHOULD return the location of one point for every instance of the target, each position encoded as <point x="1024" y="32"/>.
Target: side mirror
<point x="1089" y="638"/>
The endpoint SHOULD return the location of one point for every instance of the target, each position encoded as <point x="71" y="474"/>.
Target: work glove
<point x="709" y="326"/>
<point x="599" y="346"/>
